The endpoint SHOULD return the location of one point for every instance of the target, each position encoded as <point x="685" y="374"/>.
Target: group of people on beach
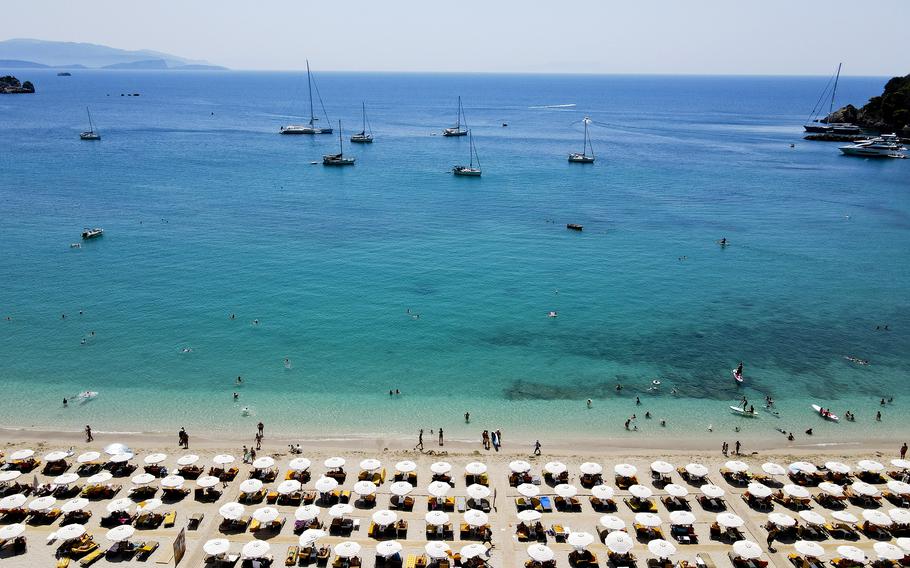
<point x="183" y="439"/>
<point x="491" y="439"/>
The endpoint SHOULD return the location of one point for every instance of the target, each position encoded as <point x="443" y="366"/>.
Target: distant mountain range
<point x="37" y="54"/>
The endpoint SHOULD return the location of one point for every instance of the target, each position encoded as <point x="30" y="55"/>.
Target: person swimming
<point x="552" y="314"/>
<point x="287" y="363"/>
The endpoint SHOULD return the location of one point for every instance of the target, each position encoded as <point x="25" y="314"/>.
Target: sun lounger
<point x="170" y="518"/>
<point x="290" y="558"/>
<point x="63" y="562"/>
<point x="146" y="549"/>
<point x="92" y="557"/>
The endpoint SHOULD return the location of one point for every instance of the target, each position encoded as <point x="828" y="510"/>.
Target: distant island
<point x="40" y="54"/>
<point x="10" y="85"/>
<point x="888" y="112"/>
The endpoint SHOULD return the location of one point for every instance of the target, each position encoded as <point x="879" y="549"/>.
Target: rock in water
<point x="10" y="85"/>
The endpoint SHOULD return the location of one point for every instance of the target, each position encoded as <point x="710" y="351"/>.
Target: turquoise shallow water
<point x="208" y="211"/>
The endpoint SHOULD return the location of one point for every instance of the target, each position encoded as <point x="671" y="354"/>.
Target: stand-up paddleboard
<point x="737" y="376"/>
<point x="86" y="395"/>
<point x="741" y="412"/>
<point x="830" y="416"/>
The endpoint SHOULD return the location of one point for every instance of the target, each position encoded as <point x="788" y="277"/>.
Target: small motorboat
<point x="826" y="414"/>
<point x="88" y="233"/>
<point x="574" y="227"/>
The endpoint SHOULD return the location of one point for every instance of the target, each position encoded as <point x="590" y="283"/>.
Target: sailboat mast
<point x="363" y="107"/>
<point x="471" y="149"/>
<point x="91" y="126"/>
<point x="834" y="90"/>
<point x="309" y="85"/>
<point x="458" y="116"/>
<point x="340" y="143"/>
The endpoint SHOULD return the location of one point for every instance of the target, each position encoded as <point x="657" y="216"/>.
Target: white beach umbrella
<point x="149" y="505"/>
<point x="602" y="492"/>
<point x="347" y="549"/>
<point x="441" y="468"/>
<point x="120" y="533"/>
<point x="143" y="479"/>
<point x="472" y="551"/>
<point x="266" y="515"/>
<point x="580" y="540"/>
<point x="117" y="448"/>
<point x="796" y="491"/>
<point x="12" y="531"/>
<point x="73" y="505"/>
<point x="746" y="549"/>
<point x="845" y="517"/>
<point x="475" y="468"/>
<point x="188" y="459"/>
<point x="591" y="468"/>
<point x="326" y="484"/>
<point x="809" y="548"/>
<point x="528" y="490"/>
<point x="21" y="455"/>
<point x="871" y="466"/>
<point x="758" y="490"/>
<point x="402" y="488"/>
<point x="172" y="482"/>
<point x="661" y="548"/>
<point x="803" y="467"/>
<point x="682" y="518"/>
<point x="310" y="536"/>
<point x="42" y="504"/>
<point x="365" y="488"/>
<point x="877" y="518"/>
<point x="223" y="459"/>
<point x="231" y="511"/>
<point x="901" y="463"/>
<point x="120" y="458"/>
<point x="334" y="462"/>
<point x="69" y="532"/>
<point x="863" y="488"/>
<point x="306" y="513"/>
<point x="207" y="481"/>
<point x="832" y="489"/>
<point x="898" y="487"/>
<point x="406" y="466"/>
<point x="288" y="486"/>
<point x="662" y="467"/>
<point x="120" y="505"/>
<point x="887" y="551"/>
<point x="436" y="518"/>
<point x="299" y="464"/>
<point x="370" y="464"/>
<point x="10" y="475"/>
<point x="555" y="468"/>
<point x="476" y="491"/>
<point x="900" y="516"/>
<point x="56" y="456"/>
<point x="153" y="459"/>
<point x="14" y="501"/>
<point x="384" y="517"/>
<point x="88" y="457"/>
<point x="216" y="546"/>
<point x="438" y="488"/>
<point x="640" y="491"/>
<point x="648" y="520"/>
<point x="696" y="470"/>
<point x="475" y="518"/>
<point x="852" y="553"/>
<point x="675" y="490"/>
<point x="66" y="478"/>
<point x="625" y="470"/>
<point x="812" y="517"/>
<point x="388" y="548"/>
<point x="339" y="510"/>
<point x="540" y="552"/>
<point x="99" y="478"/>
<point x="264" y="462"/>
<point x="612" y="523"/>
<point x="737" y="466"/>
<point x="565" y="490"/>
<point x="711" y="491"/>
<point x="619" y="542"/>
<point x="255" y="549"/>
<point x="730" y="520"/>
<point x="781" y="520"/>
<point x="772" y="468"/>
<point x="436" y="549"/>
<point x="529" y="516"/>
<point x="904" y="543"/>
<point x="837" y="467"/>
<point x="519" y="466"/>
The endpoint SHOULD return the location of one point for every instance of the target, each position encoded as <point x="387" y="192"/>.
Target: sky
<point x="773" y="37"/>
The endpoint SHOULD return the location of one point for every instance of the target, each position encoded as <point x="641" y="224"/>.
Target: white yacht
<point x="884" y="146"/>
<point x="461" y="126"/>
<point x="470" y="170"/>
<point x="90" y="134"/>
<point x="816" y="124"/>
<point x="584" y="157"/>
<point x="310" y="127"/>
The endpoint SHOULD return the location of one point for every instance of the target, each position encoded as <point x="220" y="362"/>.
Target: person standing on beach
<point x="737" y="447"/>
<point x="485" y="439"/>
<point x="258" y="441"/>
<point x="419" y="445"/>
<point x="498" y="439"/>
<point x="467" y="417"/>
<point x="494" y="440"/>
<point x="904" y="450"/>
<point x="88" y="434"/>
<point x="440" y="437"/>
<point x="537" y="447"/>
<point x="772" y="534"/>
<point x="261" y="428"/>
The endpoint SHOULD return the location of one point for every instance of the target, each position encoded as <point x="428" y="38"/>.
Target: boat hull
<point x="337" y="160"/>
<point x="359" y="139"/>
<point x="581" y="159"/>
<point x="870" y="152"/>
<point x="454" y="132"/>
<point x="89" y="136"/>
<point x="294" y="129"/>
<point x="466" y="171"/>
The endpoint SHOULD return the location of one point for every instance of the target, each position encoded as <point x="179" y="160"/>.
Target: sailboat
<point x="469" y="170"/>
<point x="584" y="157"/>
<point x="337" y="159"/>
<point x="90" y="134"/>
<point x="362" y="137"/>
<point x="817" y="124"/>
<point x="310" y="127"/>
<point x="460" y="128"/>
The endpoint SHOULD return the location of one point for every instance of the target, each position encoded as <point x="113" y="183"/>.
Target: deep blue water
<point x="208" y="211"/>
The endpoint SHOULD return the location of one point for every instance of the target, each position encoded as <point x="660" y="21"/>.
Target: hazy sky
<point x="577" y="36"/>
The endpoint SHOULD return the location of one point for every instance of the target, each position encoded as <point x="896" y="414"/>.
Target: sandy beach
<point x="507" y="551"/>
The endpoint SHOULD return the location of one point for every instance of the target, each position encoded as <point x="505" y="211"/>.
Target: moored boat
<point x="461" y="126"/>
<point x="363" y="137"/>
<point x="91" y="133"/>
<point x="89" y="233"/>
<point x="310" y="127"/>
<point x="338" y="159"/>
<point x="817" y="124"/>
<point x="584" y="157"/>
<point x="469" y="170"/>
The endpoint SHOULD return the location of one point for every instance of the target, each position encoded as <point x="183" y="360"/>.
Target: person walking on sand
<point x="419" y="445"/>
<point x="88" y="434"/>
<point x="738" y="446"/>
<point x="261" y="428"/>
<point x="904" y="450"/>
<point x="772" y="534"/>
<point x="537" y="447"/>
<point x="485" y="439"/>
<point x="498" y="439"/>
<point x="440" y="437"/>
<point x="258" y="441"/>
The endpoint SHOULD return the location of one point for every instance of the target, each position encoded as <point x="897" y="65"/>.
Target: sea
<point x="230" y="251"/>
